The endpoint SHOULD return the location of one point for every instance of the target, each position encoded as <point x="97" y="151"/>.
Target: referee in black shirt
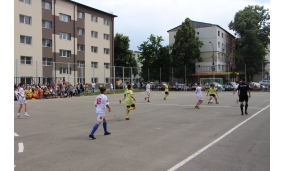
<point x="243" y="88"/>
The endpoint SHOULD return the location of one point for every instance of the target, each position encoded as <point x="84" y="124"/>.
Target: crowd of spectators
<point x="59" y="90"/>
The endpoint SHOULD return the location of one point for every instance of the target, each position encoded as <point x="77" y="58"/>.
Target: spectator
<point x="93" y="87"/>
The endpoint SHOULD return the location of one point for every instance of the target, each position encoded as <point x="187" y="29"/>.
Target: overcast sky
<point x="138" y="19"/>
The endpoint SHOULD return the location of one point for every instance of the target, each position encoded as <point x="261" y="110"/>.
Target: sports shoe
<point x="217" y="103"/>
<point x="164" y="98"/>
<point x="120" y="101"/>
<point x="241" y="113"/>
<point x="107" y="133"/>
<point x="208" y="102"/>
<point x="246" y="112"/>
<point x="145" y="99"/>
<point x="26" y="114"/>
<point x="19" y="116"/>
<point x="92" y="137"/>
<point x="198" y="107"/>
<point x="148" y="101"/>
<point x="127" y="119"/>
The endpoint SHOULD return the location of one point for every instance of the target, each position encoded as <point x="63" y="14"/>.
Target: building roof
<point x="93" y="8"/>
<point x="202" y="24"/>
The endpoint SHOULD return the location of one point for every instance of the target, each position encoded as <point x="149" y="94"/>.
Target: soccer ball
<point x="211" y="101"/>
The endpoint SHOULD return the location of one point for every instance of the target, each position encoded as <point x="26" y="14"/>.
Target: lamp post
<point x="213" y="66"/>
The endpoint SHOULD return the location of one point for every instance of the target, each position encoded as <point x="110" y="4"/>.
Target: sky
<point x="139" y="19"/>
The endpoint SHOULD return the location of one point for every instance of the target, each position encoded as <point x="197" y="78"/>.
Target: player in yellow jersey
<point x="129" y="101"/>
<point x="212" y="92"/>
<point x="166" y="91"/>
<point x="126" y="89"/>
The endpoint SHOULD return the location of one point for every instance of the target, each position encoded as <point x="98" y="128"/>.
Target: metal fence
<point x="48" y="72"/>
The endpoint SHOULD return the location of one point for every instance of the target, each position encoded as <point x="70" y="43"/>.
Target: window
<point x="26" y="80"/>
<point x="197" y="32"/>
<point x="81" y="80"/>
<point x="46" y="24"/>
<point x="106" y="36"/>
<point x="107" y="80"/>
<point x="80" y="15"/>
<point x="106" y="51"/>
<point x="218" y="33"/>
<point x="26" y="39"/>
<point x="65" y="53"/>
<point x="94" y="49"/>
<point x="94" y="79"/>
<point x="81" y="64"/>
<point x="47" y="61"/>
<point x="94" y="34"/>
<point x="94" y="64"/>
<point x="26" y="1"/>
<point x="222" y="35"/>
<point x="219" y="66"/>
<point x="80" y="47"/>
<point x="46" y="5"/>
<point x="106" y="65"/>
<point x="25" y="19"/>
<point x="26" y="60"/>
<point x="64" y="18"/>
<point x="64" y="70"/>
<point x="64" y="36"/>
<point x="80" y="31"/>
<point x="94" y="19"/>
<point x="106" y="22"/>
<point x="219" y="44"/>
<point x="47" y="43"/>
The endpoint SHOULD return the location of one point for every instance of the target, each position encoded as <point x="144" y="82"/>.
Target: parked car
<point x="193" y="86"/>
<point x="265" y="82"/>
<point x="229" y="86"/>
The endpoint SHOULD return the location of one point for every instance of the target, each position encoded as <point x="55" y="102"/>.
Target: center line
<point x="212" y="143"/>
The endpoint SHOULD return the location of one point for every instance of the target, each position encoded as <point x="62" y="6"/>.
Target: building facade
<point x="62" y="39"/>
<point x="135" y="55"/>
<point x="216" y="53"/>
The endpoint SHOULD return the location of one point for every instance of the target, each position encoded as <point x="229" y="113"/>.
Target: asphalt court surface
<point x="159" y="135"/>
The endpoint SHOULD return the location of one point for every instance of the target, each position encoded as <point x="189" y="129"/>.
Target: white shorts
<point x="100" y="117"/>
<point x="148" y="92"/>
<point x="22" y="100"/>
<point x="199" y="96"/>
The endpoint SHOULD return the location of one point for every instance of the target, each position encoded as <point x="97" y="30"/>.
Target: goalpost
<point x="207" y="81"/>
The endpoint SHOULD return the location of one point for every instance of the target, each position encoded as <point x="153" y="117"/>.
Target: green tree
<point x="123" y="56"/>
<point x="185" y="50"/>
<point x="253" y="27"/>
<point x="151" y="51"/>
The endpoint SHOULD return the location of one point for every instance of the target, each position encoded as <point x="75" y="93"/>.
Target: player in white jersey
<point x="199" y="96"/>
<point x="235" y="90"/>
<point x="148" y="90"/>
<point x="111" y="88"/>
<point x="22" y="100"/>
<point x="101" y="103"/>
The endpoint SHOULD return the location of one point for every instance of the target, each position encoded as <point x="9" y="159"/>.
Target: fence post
<point x="16" y="71"/>
<point x="185" y="75"/>
<point x="81" y="80"/>
<point x="114" y="79"/>
<point x="160" y="75"/>
<point x="68" y="71"/>
<point x="104" y="75"/>
<point x="172" y="76"/>
<point x="36" y="72"/>
<point x="123" y="77"/>
<point x="131" y="74"/>
<point x="53" y="72"/>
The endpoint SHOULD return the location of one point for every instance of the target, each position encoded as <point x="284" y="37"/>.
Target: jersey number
<point x="99" y="101"/>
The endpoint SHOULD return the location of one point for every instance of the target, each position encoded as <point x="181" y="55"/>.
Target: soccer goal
<point x="206" y="82"/>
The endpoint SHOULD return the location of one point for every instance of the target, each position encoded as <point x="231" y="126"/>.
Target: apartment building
<point x="135" y="55"/>
<point x="217" y="56"/>
<point x="62" y="39"/>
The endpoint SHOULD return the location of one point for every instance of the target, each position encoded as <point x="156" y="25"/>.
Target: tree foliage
<point x="253" y="27"/>
<point x="153" y="57"/>
<point x="123" y="56"/>
<point x="185" y="50"/>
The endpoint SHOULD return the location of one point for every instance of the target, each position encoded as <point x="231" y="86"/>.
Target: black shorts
<point x="133" y="105"/>
<point x="166" y="92"/>
<point x="243" y="98"/>
<point x="213" y="95"/>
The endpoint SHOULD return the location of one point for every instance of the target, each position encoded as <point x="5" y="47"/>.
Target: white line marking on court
<point x="21" y="147"/>
<point x="15" y="134"/>
<point x="212" y="143"/>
